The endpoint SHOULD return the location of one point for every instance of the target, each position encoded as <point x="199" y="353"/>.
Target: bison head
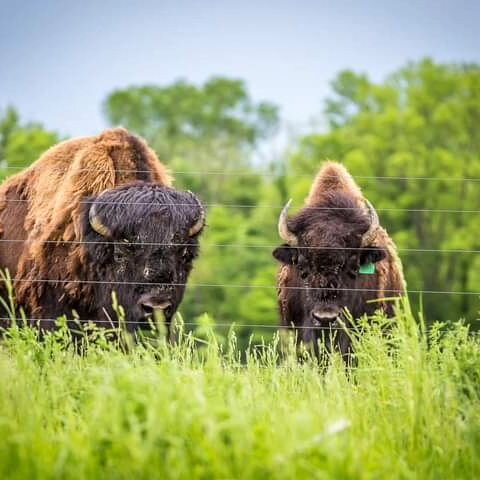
<point x="325" y="247"/>
<point x="141" y="241"/>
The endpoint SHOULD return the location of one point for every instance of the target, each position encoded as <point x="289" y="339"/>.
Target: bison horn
<point x="96" y="224"/>
<point x="198" y="225"/>
<point x="370" y="234"/>
<point x="283" y="231"/>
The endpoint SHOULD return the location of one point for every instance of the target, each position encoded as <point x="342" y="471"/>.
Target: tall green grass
<point x="105" y="409"/>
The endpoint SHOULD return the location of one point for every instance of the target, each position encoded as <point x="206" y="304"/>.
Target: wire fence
<point x="232" y="325"/>
<point x="256" y="173"/>
<point x="224" y="245"/>
<point x="250" y="245"/>
<point x="230" y="285"/>
<point x="262" y="206"/>
<point x="196" y="324"/>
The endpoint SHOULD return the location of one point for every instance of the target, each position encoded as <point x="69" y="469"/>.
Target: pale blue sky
<point x="59" y="59"/>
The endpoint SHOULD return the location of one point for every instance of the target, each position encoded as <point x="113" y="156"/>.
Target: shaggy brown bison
<point x="95" y="215"/>
<point x="336" y="258"/>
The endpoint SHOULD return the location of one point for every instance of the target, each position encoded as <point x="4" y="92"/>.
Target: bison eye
<point x="186" y="254"/>
<point x="122" y="250"/>
<point x="303" y="273"/>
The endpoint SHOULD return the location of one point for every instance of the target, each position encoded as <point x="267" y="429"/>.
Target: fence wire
<point x="221" y="245"/>
<point x="230" y="285"/>
<point x="260" y="173"/>
<point x="233" y="325"/>
<point x="152" y="323"/>
<point x="254" y="246"/>
<point x="262" y="206"/>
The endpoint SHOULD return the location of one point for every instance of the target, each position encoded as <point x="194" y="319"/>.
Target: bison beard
<point x="94" y="215"/>
<point x="327" y="242"/>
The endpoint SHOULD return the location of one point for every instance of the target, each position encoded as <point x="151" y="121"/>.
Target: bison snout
<point x="324" y="315"/>
<point x="151" y="303"/>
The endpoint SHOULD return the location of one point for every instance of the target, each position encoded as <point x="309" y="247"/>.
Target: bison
<point x="95" y="215"/>
<point x="336" y="259"/>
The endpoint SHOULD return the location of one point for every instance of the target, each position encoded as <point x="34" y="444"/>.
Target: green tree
<point x="420" y="127"/>
<point x="21" y="144"/>
<point x="213" y="128"/>
<point x="177" y="117"/>
<point x="236" y="256"/>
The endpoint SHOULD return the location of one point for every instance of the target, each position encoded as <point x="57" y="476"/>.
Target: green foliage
<point x="209" y="128"/>
<point x="410" y="409"/>
<point x="21" y="144"/>
<point x="203" y="408"/>
<point x="178" y="117"/>
<point x="421" y="122"/>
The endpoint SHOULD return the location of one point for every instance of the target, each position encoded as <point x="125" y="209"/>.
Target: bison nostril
<point x="147" y="309"/>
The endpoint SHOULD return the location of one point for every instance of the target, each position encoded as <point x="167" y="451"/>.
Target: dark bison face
<point x="326" y="248"/>
<point x="142" y="240"/>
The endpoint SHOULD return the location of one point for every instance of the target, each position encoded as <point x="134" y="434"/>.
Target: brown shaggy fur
<point x="332" y="176"/>
<point x="41" y="206"/>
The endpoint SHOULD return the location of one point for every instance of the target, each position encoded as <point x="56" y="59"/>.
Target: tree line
<point x="412" y="142"/>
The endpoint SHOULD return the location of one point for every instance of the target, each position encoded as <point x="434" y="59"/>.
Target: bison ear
<point x="372" y="255"/>
<point x="285" y="254"/>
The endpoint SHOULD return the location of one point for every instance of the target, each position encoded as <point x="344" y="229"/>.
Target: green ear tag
<point x="367" y="269"/>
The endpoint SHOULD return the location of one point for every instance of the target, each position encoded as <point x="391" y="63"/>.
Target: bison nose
<point x="150" y="304"/>
<point x="149" y="309"/>
<point x="324" y="315"/>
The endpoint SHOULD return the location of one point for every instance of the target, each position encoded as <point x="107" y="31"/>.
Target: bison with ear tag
<point x="337" y="262"/>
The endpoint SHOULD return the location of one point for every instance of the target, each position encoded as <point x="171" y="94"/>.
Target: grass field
<point x="410" y="409"/>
